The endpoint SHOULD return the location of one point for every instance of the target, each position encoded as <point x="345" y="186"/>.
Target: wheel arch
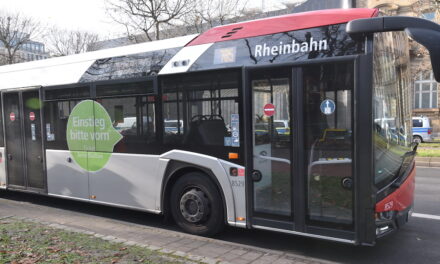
<point x="176" y="169"/>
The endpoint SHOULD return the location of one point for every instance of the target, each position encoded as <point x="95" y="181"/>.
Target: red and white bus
<point x="298" y="124"/>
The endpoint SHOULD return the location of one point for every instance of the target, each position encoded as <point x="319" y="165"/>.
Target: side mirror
<point x="431" y="40"/>
<point x="421" y="30"/>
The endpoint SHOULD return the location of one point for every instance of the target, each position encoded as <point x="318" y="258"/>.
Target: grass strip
<point x="428" y="152"/>
<point x="25" y="242"/>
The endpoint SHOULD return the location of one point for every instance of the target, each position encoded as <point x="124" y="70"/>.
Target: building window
<point x="428" y="15"/>
<point x="425" y="91"/>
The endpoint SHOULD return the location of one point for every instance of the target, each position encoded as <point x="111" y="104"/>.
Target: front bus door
<point x="302" y="149"/>
<point x="272" y="147"/>
<point x="23" y="140"/>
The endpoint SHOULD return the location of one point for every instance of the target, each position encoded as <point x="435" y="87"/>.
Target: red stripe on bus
<point x="401" y="198"/>
<point x="272" y="25"/>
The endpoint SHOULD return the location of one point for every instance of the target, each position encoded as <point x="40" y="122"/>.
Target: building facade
<point x="30" y="51"/>
<point x="425" y="90"/>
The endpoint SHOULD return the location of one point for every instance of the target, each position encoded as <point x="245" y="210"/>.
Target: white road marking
<point x="428" y="216"/>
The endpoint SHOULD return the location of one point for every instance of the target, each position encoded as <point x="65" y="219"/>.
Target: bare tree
<point x="65" y="42"/>
<point x="147" y="16"/>
<point x="206" y="14"/>
<point x="15" y="31"/>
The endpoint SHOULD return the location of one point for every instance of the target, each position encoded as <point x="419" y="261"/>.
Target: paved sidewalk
<point x="428" y="161"/>
<point x="205" y="250"/>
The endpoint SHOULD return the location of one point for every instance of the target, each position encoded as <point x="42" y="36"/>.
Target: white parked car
<point x="422" y="130"/>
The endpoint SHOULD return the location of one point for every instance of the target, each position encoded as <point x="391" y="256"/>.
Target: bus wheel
<point x="417" y="139"/>
<point x="196" y="205"/>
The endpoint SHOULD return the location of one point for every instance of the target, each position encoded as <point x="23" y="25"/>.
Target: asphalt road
<point x="416" y="242"/>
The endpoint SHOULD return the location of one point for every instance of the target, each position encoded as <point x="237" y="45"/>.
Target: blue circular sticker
<point x="328" y="107"/>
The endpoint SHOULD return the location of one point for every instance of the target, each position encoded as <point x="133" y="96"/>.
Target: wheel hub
<point x="194" y="206"/>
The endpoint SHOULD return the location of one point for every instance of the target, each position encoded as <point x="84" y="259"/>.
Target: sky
<point x="85" y="15"/>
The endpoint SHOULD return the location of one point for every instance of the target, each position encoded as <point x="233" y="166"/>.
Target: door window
<point x="14" y="143"/>
<point x="32" y="139"/>
<point x="328" y="141"/>
<point x="272" y="142"/>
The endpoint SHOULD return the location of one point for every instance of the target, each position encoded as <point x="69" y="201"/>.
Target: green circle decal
<point x="90" y="135"/>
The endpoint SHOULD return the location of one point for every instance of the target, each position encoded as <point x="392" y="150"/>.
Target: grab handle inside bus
<point x="421" y="30"/>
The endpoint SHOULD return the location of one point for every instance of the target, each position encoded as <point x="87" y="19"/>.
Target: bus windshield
<point x="391" y="105"/>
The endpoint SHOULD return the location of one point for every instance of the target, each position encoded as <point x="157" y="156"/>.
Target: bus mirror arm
<point x="421" y="30"/>
<point x="414" y="145"/>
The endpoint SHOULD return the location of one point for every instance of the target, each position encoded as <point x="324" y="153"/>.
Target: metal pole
<point x="347" y="3"/>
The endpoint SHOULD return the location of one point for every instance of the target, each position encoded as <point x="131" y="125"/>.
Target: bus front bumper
<point x="390" y="221"/>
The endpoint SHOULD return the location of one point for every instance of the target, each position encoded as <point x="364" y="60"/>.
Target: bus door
<point x="302" y="149"/>
<point x="273" y="146"/>
<point x="23" y="140"/>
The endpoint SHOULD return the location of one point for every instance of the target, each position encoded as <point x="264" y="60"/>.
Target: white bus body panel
<point x="53" y="71"/>
<point x="130" y="180"/>
<point x="2" y="169"/>
<point x="136" y="181"/>
<point x="184" y="59"/>
<point x="65" y="178"/>
<point x="238" y="185"/>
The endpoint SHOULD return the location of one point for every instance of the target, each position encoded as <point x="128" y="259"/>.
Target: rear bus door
<point x="23" y="140"/>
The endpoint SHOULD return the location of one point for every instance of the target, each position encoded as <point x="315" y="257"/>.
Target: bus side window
<point x="173" y="114"/>
<point x="134" y="118"/>
<point x="197" y="109"/>
<point x="56" y="116"/>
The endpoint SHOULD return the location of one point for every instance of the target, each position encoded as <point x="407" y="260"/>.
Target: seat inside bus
<point x="206" y="130"/>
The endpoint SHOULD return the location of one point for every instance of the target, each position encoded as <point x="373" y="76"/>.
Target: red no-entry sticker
<point x="12" y="116"/>
<point x="269" y="109"/>
<point x="32" y="116"/>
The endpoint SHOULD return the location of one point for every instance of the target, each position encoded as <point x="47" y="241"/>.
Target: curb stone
<point x="433" y="162"/>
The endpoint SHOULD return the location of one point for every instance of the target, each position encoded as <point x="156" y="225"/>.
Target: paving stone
<point x="238" y="251"/>
<point x="266" y="259"/>
<point x="176" y="245"/>
<point x="130" y="243"/>
<point x="195" y="257"/>
<point x="184" y="249"/>
<point x="434" y="164"/>
<point x="241" y="261"/>
<point x="210" y="261"/>
<point x="251" y="255"/>
<point x="180" y="253"/>
<point x="166" y="251"/>
<point x="119" y="240"/>
<point x="109" y="238"/>
<point x="229" y="257"/>
<point x="207" y="253"/>
<point x="141" y="244"/>
<point x="153" y="248"/>
<point x="192" y="242"/>
<point x="222" y="249"/>
<point x="284" y="261"/>
<point x="423" y="163"/>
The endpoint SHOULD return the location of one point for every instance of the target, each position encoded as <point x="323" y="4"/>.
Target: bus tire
<point x="196" y="205"/>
